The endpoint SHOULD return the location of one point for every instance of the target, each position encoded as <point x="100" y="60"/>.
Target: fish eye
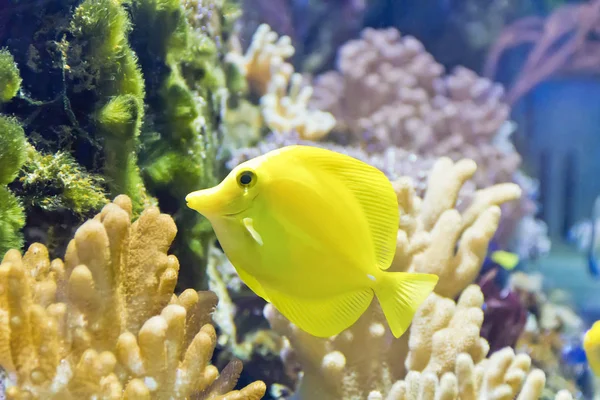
<point x="246" y="179"/>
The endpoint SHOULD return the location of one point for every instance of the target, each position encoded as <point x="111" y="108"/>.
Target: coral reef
<point x="117" y="97"/>
<point x="315" y="28"/>
<point x="283" y="96"/>
<point x="415" y="114"/>
<point x="413" y="105"/>
<point x="105" y="322"/>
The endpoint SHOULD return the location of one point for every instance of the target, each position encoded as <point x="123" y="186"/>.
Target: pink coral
<point x="388" y="91"/>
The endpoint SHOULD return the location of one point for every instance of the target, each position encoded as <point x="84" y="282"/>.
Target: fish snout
<point x="205" y="201"/>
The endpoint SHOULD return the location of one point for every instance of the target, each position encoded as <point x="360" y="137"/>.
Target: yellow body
<point x="312" y="232"/>
<point x="591" y="345"/>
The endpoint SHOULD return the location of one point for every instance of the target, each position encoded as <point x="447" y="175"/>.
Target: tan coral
<point x="442" y="329"/>
<point x="284" y="97"/>
<point x="106" y="323"/>
<point x="430" y="228"/>
<point x="285" y="107"/>
<point x="504" y="376"/>
<point x="265" y="55"/>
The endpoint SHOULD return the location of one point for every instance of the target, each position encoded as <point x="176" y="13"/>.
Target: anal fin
<point x="323" y="317"/>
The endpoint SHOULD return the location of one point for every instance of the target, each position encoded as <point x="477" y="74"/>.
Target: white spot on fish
<point x="371" y="277"/>
<point x="248" y="223"/>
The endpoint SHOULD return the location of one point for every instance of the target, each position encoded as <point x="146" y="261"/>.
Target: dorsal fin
<point x="371" y="188"/>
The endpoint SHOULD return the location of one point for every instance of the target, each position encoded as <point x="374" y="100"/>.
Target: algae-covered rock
<point x="118" y="97"/>
<point x="186" y="88"/>
<point x="10" y="80"/>
<point x="12" y="143"/>
<point x="105" y="69"/>
<point x="55" y="181"/>
<point x="12" y="157"/>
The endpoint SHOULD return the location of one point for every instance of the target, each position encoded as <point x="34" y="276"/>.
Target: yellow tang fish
<point x="505" y="259"/>
<point x="312" y="231"/>
<point x="591" y="345"/>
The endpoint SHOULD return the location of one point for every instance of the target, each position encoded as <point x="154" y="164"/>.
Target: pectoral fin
<point x="323" y="317"/>
<point x="249" y="225"/>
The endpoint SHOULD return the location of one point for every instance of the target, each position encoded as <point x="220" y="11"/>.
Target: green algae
<point x="10" y="79"/>
<point x="186" y="95"/>
<point x="120" y="97"/>
<point x="12" y="157"/>
<point x="109" y="71"/>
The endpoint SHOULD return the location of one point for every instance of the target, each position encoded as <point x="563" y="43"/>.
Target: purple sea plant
<point x="504" y="315"/>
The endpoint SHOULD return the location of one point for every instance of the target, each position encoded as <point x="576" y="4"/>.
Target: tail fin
<point x="400" y="294"/>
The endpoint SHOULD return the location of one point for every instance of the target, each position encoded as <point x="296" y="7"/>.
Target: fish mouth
<point x="233" y="214"/>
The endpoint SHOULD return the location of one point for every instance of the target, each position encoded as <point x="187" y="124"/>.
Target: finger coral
<point x="430" y="228"/>
<point x="284" y="98"/>
<point x="105" y="322"/>
<point x="503" y="376"/>
<point x="413" y="105"/>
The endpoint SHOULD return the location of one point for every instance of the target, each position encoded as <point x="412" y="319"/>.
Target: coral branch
<point x="106" y="324"/>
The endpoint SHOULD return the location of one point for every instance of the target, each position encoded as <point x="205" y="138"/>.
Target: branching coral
<point x="502" y="376"/>
<point x="431" y="227"/>
<point x="106" y="322"/>
<point x="446" y="359"/>
<point x="411" y="104"/>
<point x="284" y="98"/>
